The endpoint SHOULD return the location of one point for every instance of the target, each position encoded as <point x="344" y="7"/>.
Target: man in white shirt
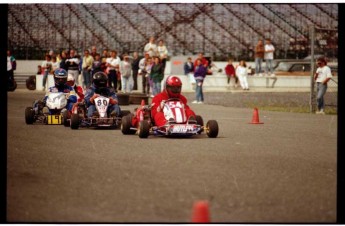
<point x="151" y="47"/>
<point x="268" y="56"/>
<point x="322" y="76"/>
<point x="113" y="65"/>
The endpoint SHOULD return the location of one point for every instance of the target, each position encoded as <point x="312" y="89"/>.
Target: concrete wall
<point x="215" y="82"/>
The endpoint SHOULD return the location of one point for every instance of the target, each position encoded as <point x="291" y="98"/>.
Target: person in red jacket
<point x="172" y="89"/>
<point x="78" y="89"/>
<point x="230" y="72"/>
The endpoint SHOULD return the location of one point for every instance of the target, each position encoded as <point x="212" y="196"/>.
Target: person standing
<point x="46" y="67"/>
<point x="162" y="53"/>
<point x="151" y="47"/>
<point x="269" y="55"/>
<point x="188" y="66"/>
<point x="72" y="65"/>
<point x="241" y="72"/>
<point x="322" y="75"/>
<point x="156" y="75"/>
<point x="86" y="68"/>
<point x="93" y="52"/>
<point x="11" y="66"/>
<point x="135" y="70"/>
<point x="199" y="75"/>
<point x="126" y="73"/>
<point x="259" y="57"/>
<point x="112" y="64"/>
<point x="230" y="72"/>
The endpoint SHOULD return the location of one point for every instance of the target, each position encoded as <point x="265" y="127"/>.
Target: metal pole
<point x="312" y="69"/>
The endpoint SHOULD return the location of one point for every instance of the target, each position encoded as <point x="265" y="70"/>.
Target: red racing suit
<point x="157" y="113"/>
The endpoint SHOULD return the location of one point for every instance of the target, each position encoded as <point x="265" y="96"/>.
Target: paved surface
<point x="281" y="171"/>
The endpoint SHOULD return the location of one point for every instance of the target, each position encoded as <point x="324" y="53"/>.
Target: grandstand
<point x="219" y="30"/>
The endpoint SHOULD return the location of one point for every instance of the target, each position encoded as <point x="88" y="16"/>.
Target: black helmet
<point x="100" y="79"/>
<point x="60" y="77"/>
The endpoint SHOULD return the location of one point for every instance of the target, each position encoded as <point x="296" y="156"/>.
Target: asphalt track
<point x="282" y="171"/>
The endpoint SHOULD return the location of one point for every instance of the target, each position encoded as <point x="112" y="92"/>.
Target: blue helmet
<point x="60" y="77"/>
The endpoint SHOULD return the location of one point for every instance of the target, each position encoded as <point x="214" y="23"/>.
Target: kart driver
<point x="78" y="89"/>
<point x="60" y="79"/>
<point x="172" y="89"/>
<point x="98" y="88"/>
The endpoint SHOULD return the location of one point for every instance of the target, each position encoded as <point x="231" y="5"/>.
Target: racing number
<point x="99" y="102"/>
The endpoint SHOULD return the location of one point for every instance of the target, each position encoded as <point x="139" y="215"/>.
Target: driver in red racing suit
<point x="172" y="89"/>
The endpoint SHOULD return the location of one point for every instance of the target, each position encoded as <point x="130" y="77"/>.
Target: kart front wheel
<point x="200" y="122"/>
<point x="29" y="115"/>
<point x="126" y="124"/>
<point x="212" y="128"/>
<point x="144" y="129"/>
<point x="65" y="121"/>
<point x="74" y="121"/>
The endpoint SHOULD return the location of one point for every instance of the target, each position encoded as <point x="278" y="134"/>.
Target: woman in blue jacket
<point x="199" y="75"/>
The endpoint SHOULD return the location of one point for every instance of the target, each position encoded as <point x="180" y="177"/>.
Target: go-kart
<point x="178" y="125"/>
<point x="52" y="112"/>
<point x="99" y="119"/>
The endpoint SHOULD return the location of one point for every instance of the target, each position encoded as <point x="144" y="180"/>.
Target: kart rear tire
<point x="65" y="121"/>
<point x="126" y="124"/>
<point x="31" y="83"/>
<point x="212" y="128"/>
<point x="74" y="121"/>
<point x="144" y="129"/>
<point x="12" y="86"/>
<point x="200" y="122"/>
<point x="29" y="115"/>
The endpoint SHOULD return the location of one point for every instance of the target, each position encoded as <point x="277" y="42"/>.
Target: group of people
<point x="122" y="71"/>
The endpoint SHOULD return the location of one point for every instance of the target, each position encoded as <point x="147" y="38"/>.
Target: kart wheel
<point x="31" y="83"/>
<point x="74" y="121"/>
<point x="65" y="121"/>
<point x="126" y="124"/>
<point x="200" y="122"/>
<point x="144" y="129"/>
<point x="29" y="115"/>
<point x="12" y="86"/>
<point x="212" y="128"/>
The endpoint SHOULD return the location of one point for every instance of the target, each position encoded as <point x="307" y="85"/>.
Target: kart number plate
<point x="182" y="128"/>
<point x="54" y="120"/>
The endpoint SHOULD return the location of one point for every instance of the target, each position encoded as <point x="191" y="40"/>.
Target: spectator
<point x="72" y="65"/>
<point x="199" y="75"/>
<point x="156" y="75"/>
<point x="11" y="66"/>
<point x="142" y="71"/>
<point x="55" y="64"/>
<point x="86" y="68"/>
<point x="269" y="55"/>
<point x="126" y="73"/>
<point x="162" y="53"/>
<point x="259" y="56"/>
<point x="96" y="65"/>
<point x="151" y="47"/>
<point x="188" y="66"/>
<point x="93" y="52"/>
<point x="202" y="59"/>
<point x="241" y="72"/>
<point x="46" y="67"/>
<point x="230" y="72"/>
<point x="63" y="58"/>
<point x="112" y="64"/>
<point x="39" y="70"/>
<point x="135" y="70"/>
<point x="322" y="76"/>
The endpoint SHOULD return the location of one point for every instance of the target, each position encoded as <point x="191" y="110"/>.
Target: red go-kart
<point x="178" y="125"/>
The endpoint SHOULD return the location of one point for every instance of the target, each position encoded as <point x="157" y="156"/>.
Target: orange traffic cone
<point x="255" y="119"/>
<point x="200" y="212"/>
